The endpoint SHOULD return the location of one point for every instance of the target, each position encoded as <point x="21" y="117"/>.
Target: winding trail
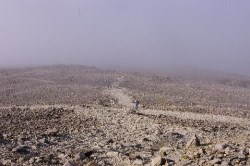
<point x="126" y="101"/>
<point x="120" y="93"/>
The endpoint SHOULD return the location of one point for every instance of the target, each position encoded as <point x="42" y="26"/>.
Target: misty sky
<point x="127" y="33"/>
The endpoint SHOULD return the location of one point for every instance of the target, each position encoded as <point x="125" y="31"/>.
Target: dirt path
<point x="122" y="97"/>
<point x="126" y="100"/>
<point x="120" y="93"/>
<point x="196" y="116"/>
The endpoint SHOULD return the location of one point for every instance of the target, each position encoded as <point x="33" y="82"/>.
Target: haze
<point x="126" y="33"/>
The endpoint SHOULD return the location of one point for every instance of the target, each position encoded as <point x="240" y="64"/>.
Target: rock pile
<point x="96" y="136"/>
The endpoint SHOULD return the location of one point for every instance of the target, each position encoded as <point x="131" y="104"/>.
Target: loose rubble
<point x="109" y="136"/>
<point x="58" y="119"/>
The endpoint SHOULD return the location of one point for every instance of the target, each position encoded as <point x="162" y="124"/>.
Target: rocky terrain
<point x="77" y="116"/>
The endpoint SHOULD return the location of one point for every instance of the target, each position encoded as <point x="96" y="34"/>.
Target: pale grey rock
<point x="91" y="163"/>
<point x="219" y="147"/>
<point x="80" y="156"/>
<point x="215" y="161"/>
<point x="227" y="150"/>
<point x="6" y="162"/>
<point x="201" y="162"/>
<point x="51" y="132"/>
<point x="185" y="162"/>
<point x="68" y="163"/>
<point x="112" y="154"/>
<point x="224" y="163"/>
<point x="193" y="141"/>
<point x="138" y="162"/>
<point x="164" y="150"/>
<point x="156" y="161"/>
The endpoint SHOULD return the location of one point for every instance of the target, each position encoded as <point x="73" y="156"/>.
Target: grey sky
<point x="126" y="33"/>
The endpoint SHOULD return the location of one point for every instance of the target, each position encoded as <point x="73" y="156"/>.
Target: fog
<point x="143" y="34"/>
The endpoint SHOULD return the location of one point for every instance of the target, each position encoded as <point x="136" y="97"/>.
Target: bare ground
<point x="112" y="133"/>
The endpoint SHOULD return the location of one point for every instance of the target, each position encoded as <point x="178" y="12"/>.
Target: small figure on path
<point x="137" y="102"/>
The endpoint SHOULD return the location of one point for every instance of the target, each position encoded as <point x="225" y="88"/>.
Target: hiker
<point x="137" y="102"/>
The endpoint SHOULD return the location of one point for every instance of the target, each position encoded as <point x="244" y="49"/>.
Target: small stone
<point x="68" y="163"/>
<point x="43" y="141"/>
<point x="202" y="152"/>
<point x="144" y="155"/>
<point x="193" y="141"/>
<point x="22" y="149"/>
<point x="244" y="151"/>
<point x="6" y="162"/>
<point x="185" y="162"/>
<point x="51" y="132"/>
<point x="227" y="151"/>
<point x="138" y="162"/>
<point x="220" y="155"/>
<point x="54" y="139"/>
<point x="112" y="154"/>
<point x="224" y="163"/>
<point x="33" y="147"/>
<point x="38" y="159"/>
<point x="32" y="160"/>
<point x="201" y="162"/>
<point x="211" y="157"/>
<point x="215" y="161"/>
<point x="80" y="156"/>
<point x="68" y="152"/>
<point x="220" y="147"/>
<point x="48" y="157"/>
<point x="146" y="139"/>
<point x="191" y="156"/>
<point x="88" y="153"/>
<point x="242" y="156"/>
<point x="91" y="164"/>
<point x="175" y="156"/>
<point x="196" y="155"/>
<point x="62" y="156"/>
<point x="164" y="150"/>
<point x="156" y="161"/>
